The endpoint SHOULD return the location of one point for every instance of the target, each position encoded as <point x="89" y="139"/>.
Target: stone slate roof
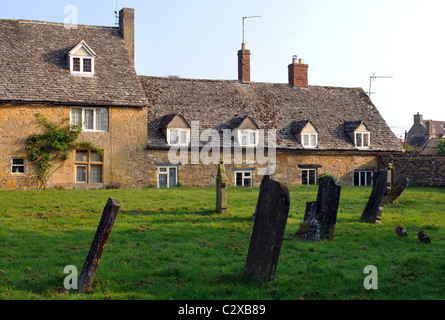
<point x="218" y="104"/>
<point x="34" y="65"/>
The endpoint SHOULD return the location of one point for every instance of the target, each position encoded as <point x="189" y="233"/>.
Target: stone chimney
<point x="430" y="130"/>
<point x="244" y="64"/>
<point x="126" y="27"/>
<point x="298" y="73"/>
<point x="418" y="118"/>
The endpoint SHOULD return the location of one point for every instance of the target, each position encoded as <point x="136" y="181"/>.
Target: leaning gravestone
<point x="268" y="230"/>
<point x="374" y="206"/>
<point x="321" y="216"/>
<point x="396" y="191"/>
<point x="97" y="247"/>
<point x="221" y="188"/>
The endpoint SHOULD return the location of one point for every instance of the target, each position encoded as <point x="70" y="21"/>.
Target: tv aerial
<point x="244" y="18"/>
<point x="372" y="78"/>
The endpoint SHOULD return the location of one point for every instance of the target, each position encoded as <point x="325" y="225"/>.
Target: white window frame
<point x="366" y="177"/>
<point x="307" y="181"/>
<point x="244" y="175"/>
<point x="187" y="131"/>
<point x="81" y="72"/>
<point x="167" y="173"/>
<point x="248" y="132"/>
<point x="18" y="165"/>
<point x="95" y="112"/>
<point x="362" y="146"/>
<point x="308" y="135"/>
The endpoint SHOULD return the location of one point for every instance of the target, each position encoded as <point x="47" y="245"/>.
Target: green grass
<point x="170" y="244"/>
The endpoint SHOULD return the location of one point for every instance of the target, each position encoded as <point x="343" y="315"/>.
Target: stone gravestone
<point x="268" y="230"/>
<point x="320" y="216"/>
<point x="97" y="247"/>
<point x="221" y="189"/>
<point x="396" y="191"/>
<point x="374" y="206"/>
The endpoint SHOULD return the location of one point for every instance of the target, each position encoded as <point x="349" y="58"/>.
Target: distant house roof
<point x="222" y="104"/>
<point x="34" y="66"/>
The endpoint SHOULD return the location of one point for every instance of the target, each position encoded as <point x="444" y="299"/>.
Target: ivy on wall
<point x="53" y="145"/>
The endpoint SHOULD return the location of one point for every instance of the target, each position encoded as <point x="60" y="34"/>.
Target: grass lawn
<point x="170" y="244"/>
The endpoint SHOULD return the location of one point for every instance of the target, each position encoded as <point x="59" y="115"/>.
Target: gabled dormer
<point x="306" y="133"/>
<point x="81" y="60"/>
<point x="359" y="133"/>
<point x="175" y="129"/>
<point x="246" y="131"/>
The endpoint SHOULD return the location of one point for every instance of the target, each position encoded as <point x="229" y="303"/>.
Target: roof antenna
<point x="373" y="77"/>
<point x="116" y="15"/>
<point x="244" y="18"/>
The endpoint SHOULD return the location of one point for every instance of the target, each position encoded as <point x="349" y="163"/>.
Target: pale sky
<point x="344" y="42"/>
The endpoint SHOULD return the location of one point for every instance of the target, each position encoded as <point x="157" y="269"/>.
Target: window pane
<point x="174" y="137"/>
<point x="356" y="178"/>
<point x="311" y="177"/>
<point x="81" y="174"/>
<point x="366" y="139"/>
<point x="102" y="119"/>
<point x="243" y="138"/>
<point x="82" y="156"/>
<point x="95" y="157"/>
<point x="172" y="177"/>
<point x="369" y="178"/>
<point x="89" y="118"/>
<point x="304" y="176"/>
<point x="87" y="65"/>
<point x="358" y="139"/>
<point x="305" y="140"/>
<point x="162" y="180"/>
<point x="76" y="64"/>
<point x="363" y="178"/>
<point x="248" y="182"/>
<point x="76" y="116"/>
<point x="183" y="137"/>
<point x="239" y="178"/>
<point x="162" y="169"/>
<point x="96" y="174"/>
<point x="252" y="138"/>
<point x="313" y="141"/>
<point x="18" y="161"/>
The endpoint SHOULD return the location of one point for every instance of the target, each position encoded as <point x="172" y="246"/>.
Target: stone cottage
<point x="425" y="134"/>
<point x="164" y="132"/>
<point x="85" y="74"/>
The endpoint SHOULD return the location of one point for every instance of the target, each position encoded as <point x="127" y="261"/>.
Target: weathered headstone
<point x="396" y="191"/>
<point x="221" y="189"/>
<point x="374" y="206"/>
<point x="310" y="229"/>
<point x="97" y="247"/>
<point x="268" y="230"/>
<point x="321" y="216"/>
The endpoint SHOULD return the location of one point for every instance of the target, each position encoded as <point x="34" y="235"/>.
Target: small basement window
<point x="167" y="177"/>
<point x="308" y="176"/>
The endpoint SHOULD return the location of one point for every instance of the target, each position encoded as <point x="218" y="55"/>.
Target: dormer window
<point x="247" y="137"/>
<point x="81" y="60"/>
<point x="175" y="129"/>
<point x="362" y="139"/>
<point x="306" y="133"/>
<point x="245" y="131"/>
<point x="178" y="137"/>
<point x="359" y="134"/>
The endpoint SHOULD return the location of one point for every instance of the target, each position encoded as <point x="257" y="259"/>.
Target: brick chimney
<point x="298" y="73"/>
<point x="244" y="64"/>
<point x="126" y="27"/>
